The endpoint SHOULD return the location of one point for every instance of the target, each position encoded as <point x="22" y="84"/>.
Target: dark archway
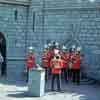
<point x="3" y="52"/>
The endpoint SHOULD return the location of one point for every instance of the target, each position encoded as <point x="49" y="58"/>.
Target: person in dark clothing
<point x="3" y="52"/>
<point x="1" y="59"/>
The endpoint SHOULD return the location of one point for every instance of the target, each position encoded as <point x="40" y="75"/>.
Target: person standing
<point x="71" y="53"/>
<point x="76" y="62"/>
<point x="1" y="59"/>
<point x="46" y="62"/>
<point x="56" y="65"/>
<point x="66" y="59"/>
<point x="30" y="61"/>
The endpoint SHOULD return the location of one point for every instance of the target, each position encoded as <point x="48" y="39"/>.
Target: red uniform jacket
<point x="66" y="57"/>
<point x="45" y="60"/>
<point x="31" y="61"/>
<point x="76" y="61"/>
<point x="56" y="66"/>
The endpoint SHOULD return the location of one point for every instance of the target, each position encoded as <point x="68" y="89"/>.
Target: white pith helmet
<point x="73" y="46"/>
<point x="56" y="51"/>
<point x="57" y="44"/>
<point x="78" y="49"/>
<point x="64" y="47"/>
<point x="49" y="44"/>
<point x="30" y="49"/>
<point x="45" y="46"/>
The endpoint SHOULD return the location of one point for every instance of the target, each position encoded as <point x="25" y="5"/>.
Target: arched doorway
<point x="3" y="52"/>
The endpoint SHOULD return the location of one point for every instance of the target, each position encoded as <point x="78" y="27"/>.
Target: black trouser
<point x="4" y="68"/>
<point x="76" y="75"/>
<point x="47" y="74"/>
<point x="27" y="77"/>
<point x="4" y="64"/>
<point x="65" y="74"/>
<point x="58" y="81"/>
<point x="69" y="73"/>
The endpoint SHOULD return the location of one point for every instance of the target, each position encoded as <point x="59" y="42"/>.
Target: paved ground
<point x="17" y="90"/>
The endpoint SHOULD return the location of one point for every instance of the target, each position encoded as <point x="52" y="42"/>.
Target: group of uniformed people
<point x="59" y="63"/>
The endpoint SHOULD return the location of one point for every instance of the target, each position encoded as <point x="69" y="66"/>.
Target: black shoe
<point x="59" y="90"/>
<point x="46" y="81"/>
<point x="66" y="81"/>
<point x="78" y="83"/>
<point x="73" y="81"/>
<point x="52" y="90"/>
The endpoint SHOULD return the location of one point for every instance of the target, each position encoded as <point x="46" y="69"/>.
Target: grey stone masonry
<point x="42" y="20"/>
<point x="66" y="21"/>
<point x="13" y="20"/>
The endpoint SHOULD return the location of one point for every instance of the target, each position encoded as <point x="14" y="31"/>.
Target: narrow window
<point x="16" y="15"/>
<point x="33" y="21"/>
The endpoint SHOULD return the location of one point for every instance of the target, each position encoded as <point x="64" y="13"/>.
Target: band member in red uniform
<point x="30" y="61"/>
<point x="76" y="61"/>
<point x="66" y="59"/>
<point x="46" y="63"/>
<point x="56" y="65"/>
<point x="71" y="52"/>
